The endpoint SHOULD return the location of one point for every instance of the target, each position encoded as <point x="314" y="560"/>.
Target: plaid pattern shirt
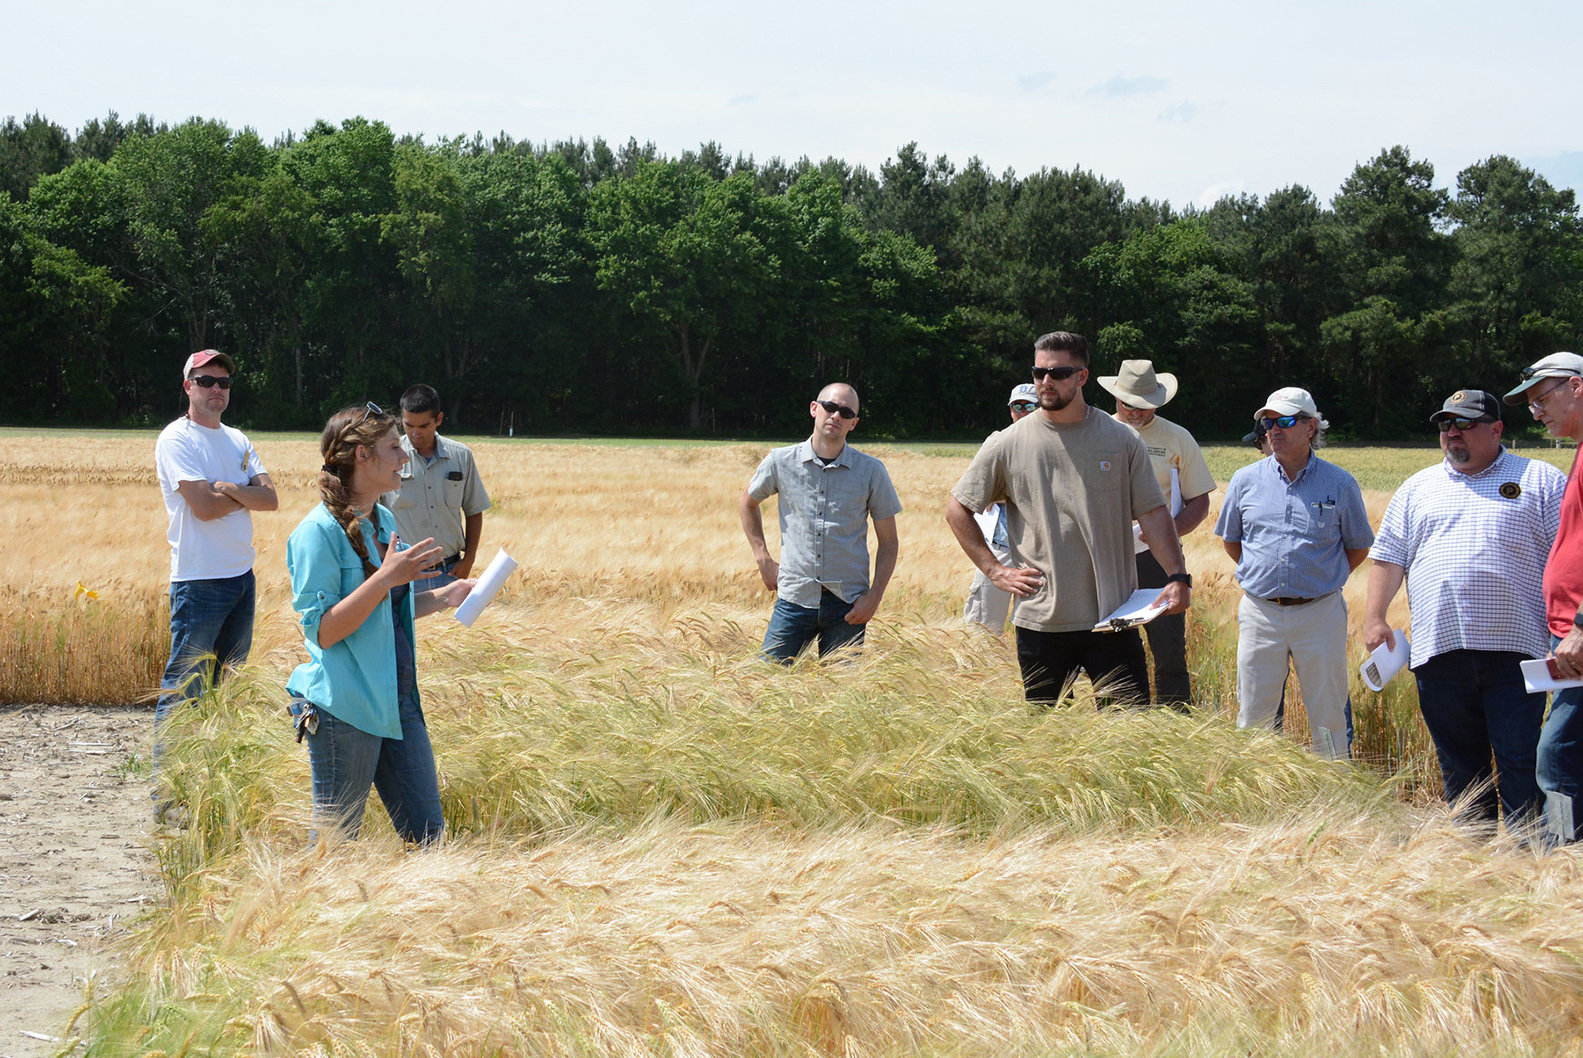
<point x="1474" y="547"/>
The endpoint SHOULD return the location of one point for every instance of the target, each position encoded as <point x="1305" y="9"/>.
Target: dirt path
<point x="75" y="870"/>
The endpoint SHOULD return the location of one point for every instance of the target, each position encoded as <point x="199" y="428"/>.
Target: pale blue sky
<point x="1177" y="101"/>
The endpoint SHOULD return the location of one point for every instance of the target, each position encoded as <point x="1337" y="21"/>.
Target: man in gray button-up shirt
<point x="828" y="492"/>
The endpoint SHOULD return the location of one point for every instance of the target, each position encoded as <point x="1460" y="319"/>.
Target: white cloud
<point x="1215" y="192"/>
<point x="1128" y="86"/>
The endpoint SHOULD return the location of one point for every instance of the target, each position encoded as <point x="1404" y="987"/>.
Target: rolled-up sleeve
<point x="315" y="567"/>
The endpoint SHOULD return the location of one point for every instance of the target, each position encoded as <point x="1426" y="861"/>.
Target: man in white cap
<point x="1186" y="483"/>
<point x="1470" y="536"/>
<point x="987" y="605"/>
<point x="1297" y="528"/>
<point x="212" y="481"/>
<point x="1553" y="390"/>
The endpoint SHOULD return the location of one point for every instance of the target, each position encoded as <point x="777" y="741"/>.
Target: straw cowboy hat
<point x="1138" y="385"/>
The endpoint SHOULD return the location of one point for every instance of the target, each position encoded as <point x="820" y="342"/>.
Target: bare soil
<point x="75" y="869"/>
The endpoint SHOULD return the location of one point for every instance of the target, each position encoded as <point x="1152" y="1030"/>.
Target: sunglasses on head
<point x="1285" y="422"/>
<point x="210" y="381"/>
<point x="1060" y="374"/>
<point x="837" y="409"/>
<point x="1461" y="424"/>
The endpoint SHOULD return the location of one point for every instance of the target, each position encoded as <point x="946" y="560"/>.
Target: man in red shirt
<point x="1553" y="390"/>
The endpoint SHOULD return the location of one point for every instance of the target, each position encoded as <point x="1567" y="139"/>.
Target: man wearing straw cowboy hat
<point x="1186" y="483"/>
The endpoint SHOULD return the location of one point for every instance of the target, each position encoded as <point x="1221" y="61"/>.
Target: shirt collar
<point x="1492" y="468"/>
<point x="808" y="455"/>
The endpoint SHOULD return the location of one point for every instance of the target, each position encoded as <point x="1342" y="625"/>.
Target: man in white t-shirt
<point x="212" y="481"/>
<point x="1186" y="482"/>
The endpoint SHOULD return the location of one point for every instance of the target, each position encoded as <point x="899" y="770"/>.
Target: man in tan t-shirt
<point x="1185" y="480"/>
<point x="1073" y="481"/>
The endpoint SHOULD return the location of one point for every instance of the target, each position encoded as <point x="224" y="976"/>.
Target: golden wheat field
<point x="660" y="846"/>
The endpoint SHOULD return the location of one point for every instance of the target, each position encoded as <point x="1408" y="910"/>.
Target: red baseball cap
<point x="207" y="356"/>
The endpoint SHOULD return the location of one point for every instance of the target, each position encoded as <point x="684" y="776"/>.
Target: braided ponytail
<point x="347" y="430"/>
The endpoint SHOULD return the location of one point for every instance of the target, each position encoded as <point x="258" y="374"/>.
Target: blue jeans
<point x="347" y="760"/>
<point x="1560" y="761"/>
<point x="793" y="627"/>
<point x="1475" y="706"/>
<point x="211" y="626"/>
<point x="440" y="579"/>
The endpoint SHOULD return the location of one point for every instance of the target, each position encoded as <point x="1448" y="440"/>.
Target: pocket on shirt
<point x="1104" y="472"/>
<point x="454" y="491"/>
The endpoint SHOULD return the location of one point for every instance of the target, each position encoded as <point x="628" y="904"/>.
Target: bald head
<point x="840" y="393"/>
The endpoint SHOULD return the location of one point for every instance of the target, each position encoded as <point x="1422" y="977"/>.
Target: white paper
<point x="1536" y="675"/>
<point x="1140" y="608"/>
<point x="1138" y="546"/>
<point x="487" y="588"/>
<point x="1383" y="663"/>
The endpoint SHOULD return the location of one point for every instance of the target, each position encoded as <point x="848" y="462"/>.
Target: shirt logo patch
<point x="1104" y="464"/>
<point x="1511" y="490"/>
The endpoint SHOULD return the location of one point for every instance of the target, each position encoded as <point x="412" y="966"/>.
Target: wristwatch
<point x="1180" y="578"/>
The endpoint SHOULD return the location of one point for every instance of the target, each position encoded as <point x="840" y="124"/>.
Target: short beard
<point x="1054" y="401"/>
<point x="1459" y="455"/>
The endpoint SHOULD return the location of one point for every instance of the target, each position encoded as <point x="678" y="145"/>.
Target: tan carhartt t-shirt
<point x="1071" y="493"/>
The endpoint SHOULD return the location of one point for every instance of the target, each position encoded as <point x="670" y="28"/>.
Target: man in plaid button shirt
<point x="1471" y="535"/>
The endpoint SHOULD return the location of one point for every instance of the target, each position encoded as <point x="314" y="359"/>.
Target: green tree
<point x="681" y="255"/>
<point x="1519" y="248"/>
<point x="1393" y="262"/>
<point x="28" y="150"/>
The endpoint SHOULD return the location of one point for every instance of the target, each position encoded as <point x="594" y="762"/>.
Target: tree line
<point x="572" y="287"/>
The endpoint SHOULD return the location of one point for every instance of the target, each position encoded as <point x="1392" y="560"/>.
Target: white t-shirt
<point x="215" y="549"/>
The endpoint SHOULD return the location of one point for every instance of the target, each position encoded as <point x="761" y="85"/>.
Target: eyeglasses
<point x="210" y="381"/>
<point x="837" y="409"/>
<point x="1124" y="406"/>
<point x="1060" y="374"/>
<point x="1461" y="424"/>
<point x="1537" y="404"/>
<point x="1023" y="405"/>
<point x="1285" y="422"/>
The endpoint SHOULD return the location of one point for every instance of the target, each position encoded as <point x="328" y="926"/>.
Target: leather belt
<point x="1284" y="600"/>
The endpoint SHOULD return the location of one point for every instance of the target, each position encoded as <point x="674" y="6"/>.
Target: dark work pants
<point x="1167" y="643"/>
<point x="1114" y="661"/>
<point x="1475" y="707"/>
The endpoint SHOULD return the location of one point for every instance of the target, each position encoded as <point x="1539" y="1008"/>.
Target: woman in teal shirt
<point x="356" y="697"/>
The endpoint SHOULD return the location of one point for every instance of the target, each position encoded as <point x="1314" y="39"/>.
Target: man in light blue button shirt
<point x="1297" y="528"/>
<point x="828" y="493"/>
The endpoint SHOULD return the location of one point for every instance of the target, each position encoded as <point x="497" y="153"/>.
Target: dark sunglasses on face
<point x="1024" y="405"/>
<point x="1060" y="374"/>
<point x="210" y="381"/>
<point x="1461" y="424"/>
<point x="837" y="409"/>
<point x="1285" y="422"/>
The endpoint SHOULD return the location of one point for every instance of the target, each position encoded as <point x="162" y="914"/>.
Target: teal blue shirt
<point x="354" y="680"/>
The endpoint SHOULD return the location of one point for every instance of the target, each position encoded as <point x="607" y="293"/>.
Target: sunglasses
<point x="210" y="381"/>
<point x="1060" y="374"/>
<point x="1285" y="422"/>
<point x="1461" y="424"/>
<point x="837" y="409"/>
<point x="1023" y="405"/>
<point x="370" y="409"/>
